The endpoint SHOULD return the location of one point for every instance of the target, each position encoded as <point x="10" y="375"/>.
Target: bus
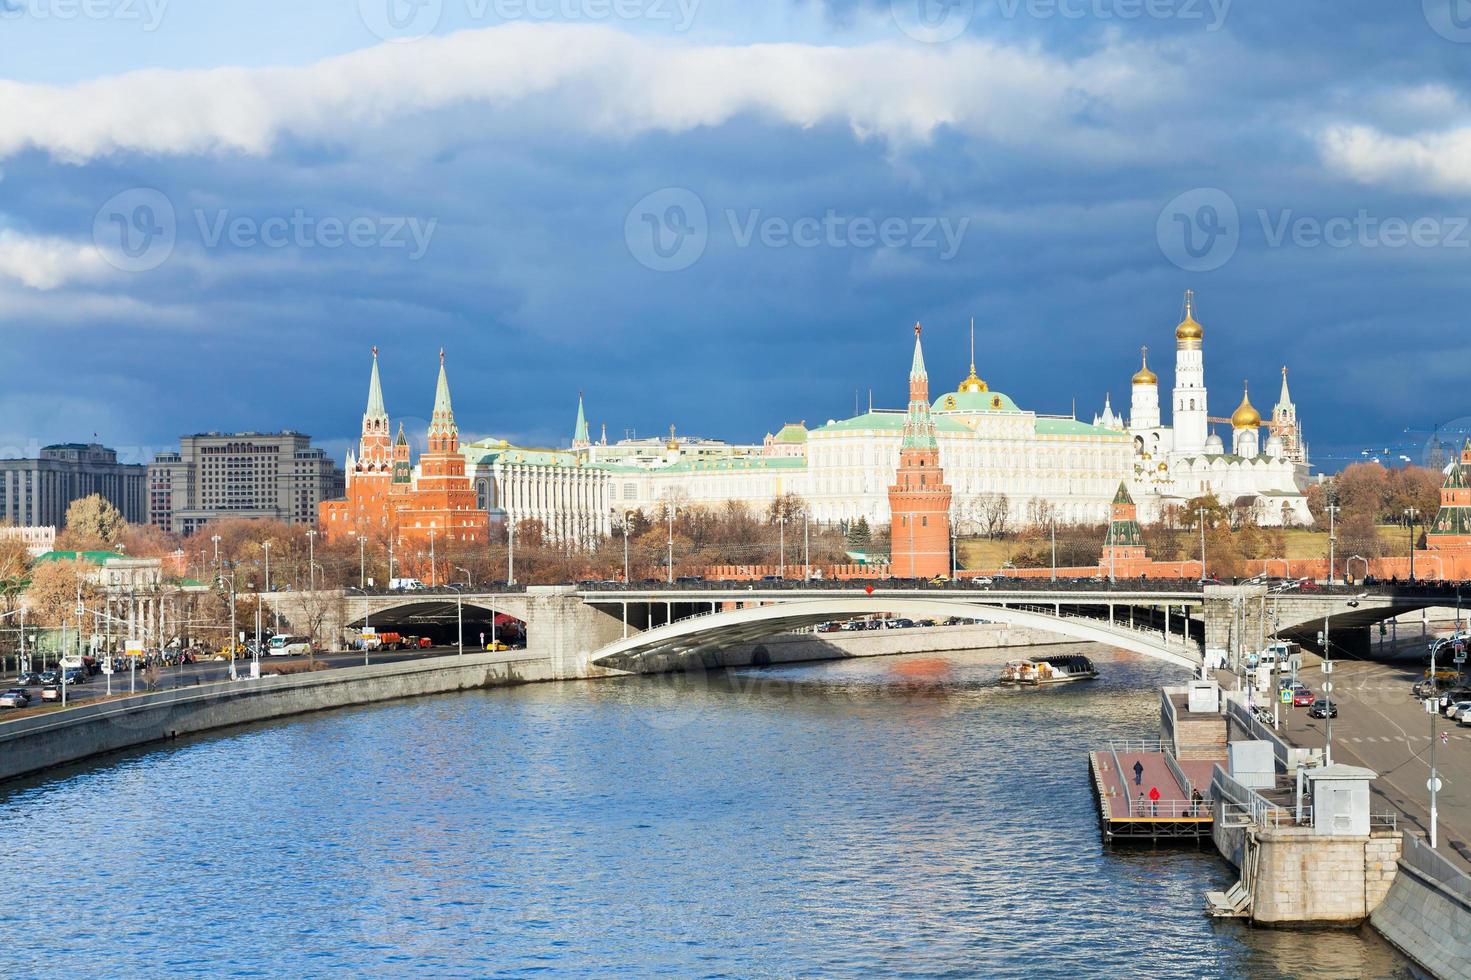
<point x="290" y="646"/>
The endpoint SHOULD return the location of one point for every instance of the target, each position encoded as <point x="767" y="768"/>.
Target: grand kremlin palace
<point x="989" y="447"/>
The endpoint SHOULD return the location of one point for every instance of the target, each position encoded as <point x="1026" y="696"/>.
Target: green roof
<point x="95" y="557"/>
<point x="889" y="422"/>
<point x="734" y="464"/>
<point x="975" y="401"/>
<point x="1072" y="427"/>
<point x="793" y="433"/>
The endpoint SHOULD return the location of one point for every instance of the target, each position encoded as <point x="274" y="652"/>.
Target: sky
<point x="724" y="215"/>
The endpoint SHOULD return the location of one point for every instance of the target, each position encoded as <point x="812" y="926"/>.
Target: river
<point x="899" y="817"/>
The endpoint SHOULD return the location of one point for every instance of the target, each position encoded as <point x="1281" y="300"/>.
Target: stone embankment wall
<point x="1427" y="913"/>
<point x="42" y="741"/>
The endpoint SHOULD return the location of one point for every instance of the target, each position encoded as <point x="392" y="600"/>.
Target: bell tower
<point x="919" y="498"/>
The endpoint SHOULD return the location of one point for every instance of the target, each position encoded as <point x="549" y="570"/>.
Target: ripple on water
<point x="902" y="817"/>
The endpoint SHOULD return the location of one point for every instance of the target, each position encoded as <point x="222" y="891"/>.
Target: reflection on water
<point x="902" y="817"/>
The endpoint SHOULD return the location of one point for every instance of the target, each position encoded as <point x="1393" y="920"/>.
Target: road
<point x="1381" y="726"/>
<point x="208" y="672"/>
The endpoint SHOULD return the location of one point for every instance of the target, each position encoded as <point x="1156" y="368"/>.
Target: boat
<point x="1048" y="670"/>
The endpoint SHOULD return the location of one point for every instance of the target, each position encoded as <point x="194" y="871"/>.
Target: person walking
<point x="1138" y="774"/>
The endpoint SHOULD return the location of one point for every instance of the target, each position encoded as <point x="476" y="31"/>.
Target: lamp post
<point x="672" y="509"/>
<point x="1200" y="512"/>
<point x="510" y="554"/>
<point x="311" y="545"/>
<point x="362" y="562"/>
<point x="460" y="608"/>
<point x="275" y="609"/>
<point x="1054" y="547"/>
<point x="781" y="524"/>
<point x="219" y="572"/>
<point x="806" y="547"/>
<point x="1411" y="515"/>
<point x="1332" y="544"/>
<point x="626" y="516"/>
<point x="433" y="562"/>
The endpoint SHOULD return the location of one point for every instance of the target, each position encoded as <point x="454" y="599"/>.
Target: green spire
<point x="443" y="420"/>
<point x="375" y="392"/>
<point x="1124" y="532"/>
<point x="1123" y="497"/>
<point x="580" y="436"/>
<point x="916" y="370"/>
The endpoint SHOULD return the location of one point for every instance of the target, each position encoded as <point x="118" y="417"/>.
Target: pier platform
<point x="1126" y="810"/>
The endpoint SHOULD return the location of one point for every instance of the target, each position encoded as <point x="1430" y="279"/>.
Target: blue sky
<point x="723" y="214"/>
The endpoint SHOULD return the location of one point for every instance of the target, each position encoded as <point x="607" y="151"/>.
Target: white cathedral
<point x="1174" y="464"/>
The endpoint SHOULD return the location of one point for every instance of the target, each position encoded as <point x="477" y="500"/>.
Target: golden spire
<point x="973" y="384"/>
<point x="1145" y="376"/>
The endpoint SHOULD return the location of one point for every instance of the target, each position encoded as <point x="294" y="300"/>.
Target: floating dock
<point x="1127" y="809"/>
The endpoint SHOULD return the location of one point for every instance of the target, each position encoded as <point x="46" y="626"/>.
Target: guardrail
<point x="1170" y="809"/>
<point x="1270" y="815"/>
<point x="1137" y="745"/>
<point x="1418" y="855"/>
<point x="1179" y="775"/>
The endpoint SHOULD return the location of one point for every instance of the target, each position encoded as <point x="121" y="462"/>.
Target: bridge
<point x="588" y="630"/>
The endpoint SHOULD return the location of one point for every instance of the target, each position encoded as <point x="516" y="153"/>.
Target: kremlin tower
<point x="1451" y="530"/>
<point x="435" y="508"/>
<point x="919" y="499"/>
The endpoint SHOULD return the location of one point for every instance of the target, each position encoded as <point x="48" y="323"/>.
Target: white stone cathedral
<point x="1174" y="464"/>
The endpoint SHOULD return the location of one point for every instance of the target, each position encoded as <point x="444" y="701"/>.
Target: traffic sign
<point x="1286" y="695"/>
<point x="1327" y="687"/>
<point x="1434" y="784"/>
<point x="1327" y="666"/>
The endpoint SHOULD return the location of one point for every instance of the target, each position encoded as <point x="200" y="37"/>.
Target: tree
<point x="93" y="524"/>
<point x="860" y="536"/>
<point x="51" y="599"/>
<point x="995" y="513"/>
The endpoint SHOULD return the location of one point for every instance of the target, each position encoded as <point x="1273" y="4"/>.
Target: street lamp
<point x="1332" y="544"/>
<point x="1411" y="515"/>
<point x="311" y="545"/>
<point x="1200" y="512"/>
<point x="627" y="515"/>
<point x="672" y="510"/>
<point x="781" y="523"/>
<point x="510" y="554"/>
<point x="433" y="567"/>
<point x="362" y="561"/>
<point x="460" y="609"/>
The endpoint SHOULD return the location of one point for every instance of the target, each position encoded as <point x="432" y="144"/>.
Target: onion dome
<point x="1245" y="416"/>
<point x="1146" y="376"/>
<point x="1189" y="331"/>
<point x="1214" y="445"/>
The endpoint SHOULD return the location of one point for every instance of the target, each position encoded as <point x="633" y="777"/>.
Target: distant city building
<point x="37" y="492"/>
<point x="213" y="475"/>
<point x="410" y="507"/>
<point x="37" y="540"/>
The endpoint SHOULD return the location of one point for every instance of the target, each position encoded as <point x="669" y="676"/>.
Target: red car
<point x="1309" y="585"/>
<point x="1303" y="698"/>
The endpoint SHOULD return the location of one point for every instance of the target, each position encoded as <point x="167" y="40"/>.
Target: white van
<point x="290" y="646"/>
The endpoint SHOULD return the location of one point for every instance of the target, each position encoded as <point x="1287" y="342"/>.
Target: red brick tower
<point x="365" y="509"/>
<point x="440" y="508"/>
<point x="1451" y="530"/>
<point x="1123" y="550"/>
<point x="919" y="499"/>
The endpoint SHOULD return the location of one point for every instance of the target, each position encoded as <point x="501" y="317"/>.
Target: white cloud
<point x="47" y="263"/>
<point x="1438" y="161"/>
<point x="592" y="79"/>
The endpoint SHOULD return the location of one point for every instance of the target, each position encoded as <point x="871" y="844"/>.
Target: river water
<point x="897" y="817"/>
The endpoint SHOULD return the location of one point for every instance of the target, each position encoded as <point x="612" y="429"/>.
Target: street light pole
<point x="1054" y="547"/>
<point x="433" y="566"/>
<point x="781" y="523"/>
<point x="510" y="554"/>
<point x="1201" y="515"/>
<point x="1411" y="513"/>
<point x="806" y="547"/>
<point x="625" y="550"/>
<point x="362" y="562"/>
<point x="672" y="509"/>
<point x="1332" y="544"/>
<point x="311" y="571"/>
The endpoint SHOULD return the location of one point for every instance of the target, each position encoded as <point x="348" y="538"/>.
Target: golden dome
<point x="972" y="384"/>
<point x="1246" y="417"/>
<point x="1146" y="376"/>
<point x="1189" y="330"/>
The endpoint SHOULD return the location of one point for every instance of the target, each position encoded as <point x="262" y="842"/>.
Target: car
<point x="51" y="692"/>
<point x="829" y="627"/>
<point x="1302" y="698"/>
<point x="1465" y="720"/>
<point x="15" y="698"/>
<point x="76" y="675"/>
<point x="1322" y="708"/>
<point x="496" y="646"/>
<point x="50" y="677"/>
<point x="1309" y="585"/>
<point x="28" y="678"/>
<point x="1457" y="710"/>
<point x="983" y="582"/>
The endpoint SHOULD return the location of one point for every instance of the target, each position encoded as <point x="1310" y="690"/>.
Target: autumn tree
<point x="92" y="524"/>
<point x="51" y="599"/>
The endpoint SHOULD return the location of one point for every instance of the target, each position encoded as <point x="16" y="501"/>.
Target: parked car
<point x="1302" y="698"/>
<point x="51" y="692"/>
<point x="1457" y="710"/>
<point x="1465" y="720"/>
<point x="1309" y="585"/>
<point x="496" y="646"/>
<point x="983" y="582"/>
<point x="15" y="698"/>
<point x="1322" y="708"/>
<point x="829" y="627"/>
